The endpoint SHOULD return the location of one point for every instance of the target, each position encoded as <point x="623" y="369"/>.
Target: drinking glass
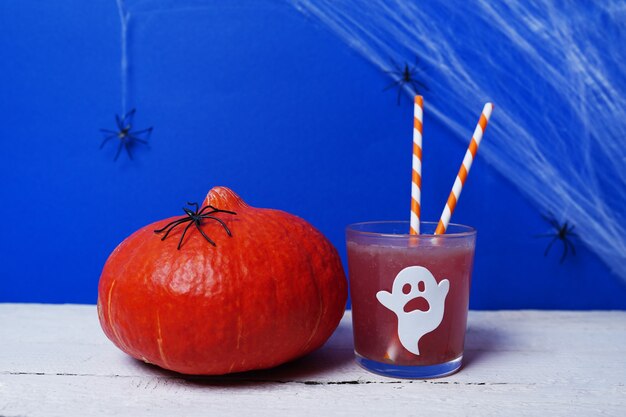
<point x="410" y="296"/>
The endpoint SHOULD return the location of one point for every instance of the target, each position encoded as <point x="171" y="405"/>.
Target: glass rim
<point x="466" y="232"/>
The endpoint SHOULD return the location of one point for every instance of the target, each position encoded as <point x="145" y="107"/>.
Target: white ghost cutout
<point x="413" y="325"/>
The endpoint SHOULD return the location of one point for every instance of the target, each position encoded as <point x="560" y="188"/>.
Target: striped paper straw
<point x="416" y="177"/>
<point x="464" y="170"/>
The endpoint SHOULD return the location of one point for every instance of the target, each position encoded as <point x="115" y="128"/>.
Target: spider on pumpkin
<point x="563" y="232"/>
<point x="127" y="137"/>
<point x="405" y="76"/>
<point x="195" y="218"/>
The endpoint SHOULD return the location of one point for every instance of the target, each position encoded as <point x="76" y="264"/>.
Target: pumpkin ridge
<point x="114" y="328"/>
<point x="160" y="339"/>
<point x="320" y="309"/>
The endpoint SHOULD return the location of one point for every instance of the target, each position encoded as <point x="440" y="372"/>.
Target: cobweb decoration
<point x="556" y="72"/>
<point x="124" y="15"/>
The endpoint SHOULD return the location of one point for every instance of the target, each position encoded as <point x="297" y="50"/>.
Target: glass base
<point x="410" y="372"/>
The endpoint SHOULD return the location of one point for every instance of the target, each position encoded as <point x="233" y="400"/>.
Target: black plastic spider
<point x="405" y="76"/>
<point x="126" y="136"/>
<point x="563" y="233"/>
<point x="195" y="218"/>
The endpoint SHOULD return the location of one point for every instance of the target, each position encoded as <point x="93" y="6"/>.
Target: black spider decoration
<point x="405" y="76"/>
<point x="195" y="218"/>
<point x="564" y="233"/>
<point x="126" y="136"/>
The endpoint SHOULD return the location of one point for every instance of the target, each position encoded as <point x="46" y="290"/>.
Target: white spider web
<point x="556" y="72"/>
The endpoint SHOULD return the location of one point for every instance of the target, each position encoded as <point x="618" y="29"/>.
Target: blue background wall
<point x="256" y="97"/>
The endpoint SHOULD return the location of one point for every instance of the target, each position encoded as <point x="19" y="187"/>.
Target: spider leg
<point x="204" y="234"/>
<point x="174" y="226"/>
<point x="109" y="131"/>
<point x="571" y="246"/>
<point x="171" y="223"/>
<point x="118" y="121"/>
<point x="220" y="221"/>
<point x="168" y="231"/>
<point x="393" y="84"/>
<point x="205" y="208"/>
<point x="550" y="220"/>
<point x="417" y="85"/>
<point x="127" y="147"/>
<point x="555" y="224"/>
<point x="119" y="149"/>
<point x="136" y="139"/>
<point x="564" y="251"/>
<point x="550" y="245"/>
<point x="141" y="132"/>
<point x="106" y="140"/>
<point x="180" y="242"/>
<point x="396" y="66"/>
<point x="571" y="231"/>
<point x="544" y="235"/>
<point x="194" y="205"/>
<point x="128" y="117"/>
<point x="215" y="209"/>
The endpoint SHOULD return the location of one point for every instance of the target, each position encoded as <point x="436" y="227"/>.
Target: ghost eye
<point x="421" y="286"/>
<point x="406" y="288"/>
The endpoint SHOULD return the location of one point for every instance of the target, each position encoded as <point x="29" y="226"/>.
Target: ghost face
<point x="411" y="285"/>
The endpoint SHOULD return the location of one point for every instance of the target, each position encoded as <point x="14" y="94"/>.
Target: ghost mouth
<point x="417" y="303"/>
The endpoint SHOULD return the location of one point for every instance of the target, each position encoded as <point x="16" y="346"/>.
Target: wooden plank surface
<point x="55" y="361"/>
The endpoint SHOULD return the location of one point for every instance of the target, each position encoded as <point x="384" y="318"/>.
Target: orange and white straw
<point x="464" y="170"/>
<point x="416" y="177"/>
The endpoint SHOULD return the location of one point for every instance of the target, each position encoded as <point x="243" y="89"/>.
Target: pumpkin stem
<point x="224" y="198"/>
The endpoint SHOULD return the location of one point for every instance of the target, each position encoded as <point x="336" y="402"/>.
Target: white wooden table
<point x="55" y="361"/>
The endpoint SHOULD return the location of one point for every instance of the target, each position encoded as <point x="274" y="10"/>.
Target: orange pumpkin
<point x="273" y="291"/>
